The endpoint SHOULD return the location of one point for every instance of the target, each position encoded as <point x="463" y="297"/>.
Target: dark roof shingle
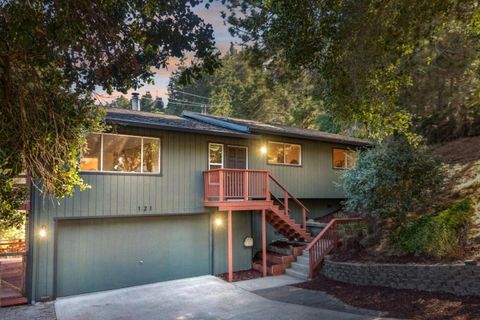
<point x="282" y="130"/>
<point x="168" y="122"/>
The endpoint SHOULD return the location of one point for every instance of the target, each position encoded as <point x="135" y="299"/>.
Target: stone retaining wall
<point x="458" y="279"/>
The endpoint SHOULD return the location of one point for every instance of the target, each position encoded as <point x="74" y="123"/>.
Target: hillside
<point x="462" y="157"/>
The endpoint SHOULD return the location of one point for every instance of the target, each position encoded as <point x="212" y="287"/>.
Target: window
<point x="343" y="158"/>
<point x="121" y="153"/>
<point x="92" y="156"/>
<point x="284" y="153"/>
<point x="215" y="156"/>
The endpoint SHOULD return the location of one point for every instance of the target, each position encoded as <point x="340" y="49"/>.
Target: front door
<point x="236" y="157"/>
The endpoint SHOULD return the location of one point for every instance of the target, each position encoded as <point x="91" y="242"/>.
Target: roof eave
<point x="304" y="137"/>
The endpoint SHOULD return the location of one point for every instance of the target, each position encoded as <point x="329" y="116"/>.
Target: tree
<point x="53" y="55"/>
<point x="147" y="103"/>
<point x="120" y="103"/>
<point x="392" y="179"/>
<point x="385" y="66"/>
<point x="249" y="86"/>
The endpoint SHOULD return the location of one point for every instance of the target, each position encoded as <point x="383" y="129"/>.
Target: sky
<point x="159" y="88"/>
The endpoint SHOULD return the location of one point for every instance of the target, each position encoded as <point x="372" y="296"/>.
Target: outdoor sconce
<point x="218" y="221"/>
<point x="42" y="232"/>
<point x="263" y="150"/>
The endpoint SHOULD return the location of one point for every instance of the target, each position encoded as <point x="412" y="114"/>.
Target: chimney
<point x="203" y="108"/>
<point x="135" y="101"/>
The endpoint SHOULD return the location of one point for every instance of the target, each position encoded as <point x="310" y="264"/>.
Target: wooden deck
<point x="12" y="273"/>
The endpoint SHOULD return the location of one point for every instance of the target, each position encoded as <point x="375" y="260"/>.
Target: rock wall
<point x="459" y="279"/>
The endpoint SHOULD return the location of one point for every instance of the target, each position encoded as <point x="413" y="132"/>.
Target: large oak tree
<point x="55" y="53"/>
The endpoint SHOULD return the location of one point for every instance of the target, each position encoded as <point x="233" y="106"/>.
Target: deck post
<point x="245" y="185"/>
<point x="221" y="184"/>
<point x="230" y="247"/>
<point x="285" y="202"/>
<point x="267" y="186"/>
<point x="264" y="244"/>
<point x="304" y="219"/>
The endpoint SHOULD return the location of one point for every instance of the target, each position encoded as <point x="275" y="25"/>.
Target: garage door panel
<point x="102" y="254"/>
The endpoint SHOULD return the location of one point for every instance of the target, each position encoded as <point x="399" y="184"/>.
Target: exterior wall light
<point x="218" y="222"/>
<point x="263" y="150"/>
<point x="42" y="232"/>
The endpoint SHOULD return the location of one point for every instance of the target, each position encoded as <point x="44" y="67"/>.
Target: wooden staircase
<point x="281" y="221"/>
<point x="257" y="190"/>
<point x="240" y="189"/>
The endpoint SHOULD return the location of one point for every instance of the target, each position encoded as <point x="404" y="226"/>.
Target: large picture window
<point x="343" y="158"/>
<point x="121" y="153"/>
<point x="284" y="153"/>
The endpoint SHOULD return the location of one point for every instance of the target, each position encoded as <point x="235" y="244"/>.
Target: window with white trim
<point x="284" y="153"/>
<point x="343" y="158"/>
<point x="215" y="156"/>
<point x="121" y="153"/>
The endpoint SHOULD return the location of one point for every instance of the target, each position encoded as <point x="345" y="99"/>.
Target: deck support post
<point x="264" y="244"/>
<point x="230" y="247"/>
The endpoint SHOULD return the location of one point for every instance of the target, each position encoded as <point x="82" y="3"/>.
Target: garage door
<point x="101" y="254"/>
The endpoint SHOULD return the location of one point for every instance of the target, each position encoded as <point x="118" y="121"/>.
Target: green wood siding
<point x="241" y="228"/>
<point x="177" y="190"/>
<point x="103" y="254"/>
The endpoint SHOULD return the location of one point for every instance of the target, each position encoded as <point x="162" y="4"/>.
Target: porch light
<point x="42" y="232"/>
<point x="218" y="222"/>
<point x="263" y="150"/>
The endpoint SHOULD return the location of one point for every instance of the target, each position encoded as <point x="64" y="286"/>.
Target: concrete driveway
<point x="196" y="298"/>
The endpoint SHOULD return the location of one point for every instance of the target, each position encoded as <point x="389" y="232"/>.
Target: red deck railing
<point x="236" y="184"/>
<point x="12" y="267"/>
<point x="248" y="185"/>
<point x="325" y="242"/>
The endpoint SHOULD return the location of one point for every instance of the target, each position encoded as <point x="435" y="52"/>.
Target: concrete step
<point x="297" y="274"/>
<point x="300" y="267"/>
<point x="305" y="260"/>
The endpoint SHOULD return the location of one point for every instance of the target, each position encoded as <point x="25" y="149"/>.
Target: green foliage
<point x="10" y="233"/>
<point x="11" y="198"/>
<point x="148" y="104"/>
<point x="54" y="54"/>
<point x="120" y="103"/>
<point x="392" y="179"/>
<point x="439" y="235"/>
<point x="386" y="66"/>
<point x="249" y="86"/>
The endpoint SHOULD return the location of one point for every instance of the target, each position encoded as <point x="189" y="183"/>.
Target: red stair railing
<point x="247" y="185"/>
<point x="286" y="195"/>
<point x="325" y="242"/>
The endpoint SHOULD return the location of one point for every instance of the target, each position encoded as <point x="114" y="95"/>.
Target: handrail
<point x="325" y="242"/>
<point x="243" y="170"/>
<point x="288" y="192"/>
<point x="277" y="199"/>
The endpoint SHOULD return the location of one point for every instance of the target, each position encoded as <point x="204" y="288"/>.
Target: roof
<point x="257" y="127"/>
<point x="169" y="122"/>
<point x="222" y="126"/>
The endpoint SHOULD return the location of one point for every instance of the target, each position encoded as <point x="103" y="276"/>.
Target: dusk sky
<point x="159" y="88"/>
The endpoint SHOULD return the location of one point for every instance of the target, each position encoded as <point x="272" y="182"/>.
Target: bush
<point x="439" y="235"/>
<point x="392" y="179"/>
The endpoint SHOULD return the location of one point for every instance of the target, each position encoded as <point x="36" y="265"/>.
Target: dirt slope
<point x="462" y="157"/>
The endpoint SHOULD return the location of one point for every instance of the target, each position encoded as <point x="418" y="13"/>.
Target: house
<point x="174" y="197"/>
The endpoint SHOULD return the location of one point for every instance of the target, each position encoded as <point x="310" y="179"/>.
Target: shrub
<point x="392" y="179"/>
<point x="439" y="235"/>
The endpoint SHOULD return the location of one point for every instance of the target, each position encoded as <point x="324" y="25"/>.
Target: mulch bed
<point x="406" y="304"/>
<point x="241" y="275"/>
